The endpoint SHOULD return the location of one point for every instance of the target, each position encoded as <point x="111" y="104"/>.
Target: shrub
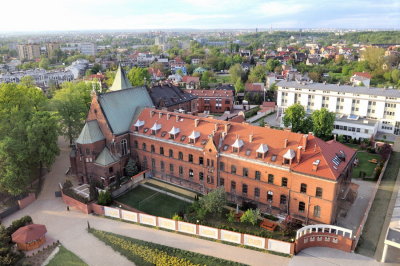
<point x="131" y="168"/>
<point x="230" y="217"/>
<point x="105" y="198"/>
<point x="176" y="217"/>
<point x="15" y="225"/>
<point x="250" y="216"/>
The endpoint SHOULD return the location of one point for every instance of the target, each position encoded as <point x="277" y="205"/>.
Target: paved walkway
<point x="70" y="228"/>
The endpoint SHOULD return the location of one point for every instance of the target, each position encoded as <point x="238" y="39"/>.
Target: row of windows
<point x="317" y="209"/>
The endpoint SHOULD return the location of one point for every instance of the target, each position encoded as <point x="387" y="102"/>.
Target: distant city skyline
<point x="71" y="15"/>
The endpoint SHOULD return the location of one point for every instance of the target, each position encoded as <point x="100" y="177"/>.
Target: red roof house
<point x="30" y="237"/>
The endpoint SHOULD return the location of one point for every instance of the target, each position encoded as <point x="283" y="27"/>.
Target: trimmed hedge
<point x="147" y="253"/>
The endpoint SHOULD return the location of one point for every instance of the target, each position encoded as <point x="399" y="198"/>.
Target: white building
<point x="361" y="111"/>
<point x="85" y="48"/>
<point x="41" y="77"/>
<point x="78" y="68"/>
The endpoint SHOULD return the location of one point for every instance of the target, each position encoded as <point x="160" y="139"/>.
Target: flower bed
<point x="147" y="253"/>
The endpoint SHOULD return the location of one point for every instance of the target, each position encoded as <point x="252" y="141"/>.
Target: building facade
<point x="361" y="111"/>
<point x="213" y="101"/>
<point x="280" y="172"/>
<point x="28" y="51"/>
<point x="41" y="77"/>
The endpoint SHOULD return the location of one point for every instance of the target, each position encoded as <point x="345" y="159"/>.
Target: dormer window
<point x="194" y="136"/>
<point x="289" y="156"/>
<point x="237" y="145"/>
<point x="155" y="128"/>
<point x="262" y="151"/>
<point x="174" y="132"/>
<point x="138" y="124"/>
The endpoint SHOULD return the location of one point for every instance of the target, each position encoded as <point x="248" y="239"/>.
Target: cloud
<point x="272" y="9"/>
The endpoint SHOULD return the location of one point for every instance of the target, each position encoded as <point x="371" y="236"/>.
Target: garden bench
<point x="373" y="161"/>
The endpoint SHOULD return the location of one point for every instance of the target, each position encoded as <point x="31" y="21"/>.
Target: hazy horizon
<point x="125" y="15"/>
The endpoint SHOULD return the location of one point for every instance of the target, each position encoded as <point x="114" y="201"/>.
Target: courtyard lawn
<point x="147" y="253"/>
<point x="376" y="217"/>
<point x="64" y="257"/>
<point x="364" y="165"/>
<point x="153" y="202"/>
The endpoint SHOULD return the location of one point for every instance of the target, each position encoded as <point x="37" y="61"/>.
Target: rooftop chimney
<point x="151" y="113"/>
<point x="196" y="122"/>
<point x="168" y="116"/>
<point x="298" y="154"/>
<point x="285" y="143"/>
<point x="251" y="138"/>
<point x="315" y="165"/>
<point x="160" y="115"/>
<point x="215" y="127"/>
<point x="304" y="142"/>
<point x="227" y="127"/>
<point x="177" y="118"/>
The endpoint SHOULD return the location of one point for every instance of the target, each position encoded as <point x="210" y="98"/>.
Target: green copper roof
<point x="123" y="106"/>
<point x="90" y="133"/>
<point x="121" y="81"/>
<point x="106" y="158"/>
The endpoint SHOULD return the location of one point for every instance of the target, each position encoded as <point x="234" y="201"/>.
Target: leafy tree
<point x="138" y="76"/>
<point x="104" y="198"/>
<point x="315" y="76"/>
<point x="239" y="86"/>
<point x="322" y="121"/>
<point x="374" y="56"/>
<point x="250" y="216"/>
<point x="205" y="78"/>
<point x="257" y="74"/>
<point x="384" y="151"/>
<point x="42" y="132"/>
<point x="72" y="103"/>
<point x="295" y="116"/>
<point x="214" y="201"/>
<point x="44" y="63"/>
<point x="236" y="71"/>
<point x="272" y="64"/>
<point x="131" y="168"/>
<point x="395" y="75"/>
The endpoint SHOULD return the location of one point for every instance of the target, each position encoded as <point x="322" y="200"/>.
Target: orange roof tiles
<point x="316" y="149"/>
<point x="188" y="79"/>
<point x="28" y="233"/>
<point x="363" y="74"/>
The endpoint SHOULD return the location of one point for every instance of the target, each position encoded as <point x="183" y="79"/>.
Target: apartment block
<point x="28" y="51"/>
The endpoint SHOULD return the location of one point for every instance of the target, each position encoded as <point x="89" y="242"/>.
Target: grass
<point x="376" y="217"/>
<point x="153" y="202"/>
<point x="364" y="165"/>
<point x="353" y="146"/>
<point x="169" y="190"/>
<point x="147" y="253"/>
<point x="64" y="257"/>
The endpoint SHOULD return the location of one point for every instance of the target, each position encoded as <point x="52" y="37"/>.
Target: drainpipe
<point x="308" y="210"/>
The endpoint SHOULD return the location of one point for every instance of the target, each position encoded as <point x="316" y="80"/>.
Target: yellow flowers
<point x="150" y="255"/>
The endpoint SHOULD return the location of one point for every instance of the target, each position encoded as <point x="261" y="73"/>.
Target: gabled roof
<point x="194" y="135"/>
<point x="174" y="131"/>
<point x="29" y="233"/>
<point x="166" y="96"/>
<point x="121" y="82"/>
<point x="122" y="107"/>
<point x="106" y="158"/>
<point x="263" y="148"/>
<point x="290" y="154"/>
<point x="90" y="133"/>
<point x="238" y="143"/>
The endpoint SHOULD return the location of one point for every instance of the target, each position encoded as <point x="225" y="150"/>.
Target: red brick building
<point x="214" y="101"/>
<point x="279" y="171"/>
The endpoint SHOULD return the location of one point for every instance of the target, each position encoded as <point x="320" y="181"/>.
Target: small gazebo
<point x="30" y="237"/>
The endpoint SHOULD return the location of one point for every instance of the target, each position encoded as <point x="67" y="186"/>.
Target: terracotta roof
<point x="211" y="93"/>
<point x="29" y="233"/>
<point x="188" y="79"/>
<point x="363" y="74"/>
<point x="254" y="87"/>
<point x="316" y="149"/>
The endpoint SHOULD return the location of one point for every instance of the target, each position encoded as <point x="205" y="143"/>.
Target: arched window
<point x="144" y="146"/>
<point x="284" y="182"/>
<point x="302" y="206"/>
<point x="171" y="153"/>
<point x="256" y="192"/>
<point x="283" y="199"/>
<point x="124" y="147"/>
<point x="180" y="155"/>
<point x="317" y="211"/>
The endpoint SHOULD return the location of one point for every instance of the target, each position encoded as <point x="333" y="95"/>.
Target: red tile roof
<point x="316" y="149"/>
<point x="29" y="233"/>
<point x="254" y="87"/>
<point x="211" y="93"/>
<point x="363" y="74"/>
<point x="188" y="79"/>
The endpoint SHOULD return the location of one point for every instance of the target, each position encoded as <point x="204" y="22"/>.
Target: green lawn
<point x="147" y="253"/>
<point x="364" y="165"/>
<point x="153" y="202"/>
<point x="376" y="217"/>
<point x="64" y="257"/>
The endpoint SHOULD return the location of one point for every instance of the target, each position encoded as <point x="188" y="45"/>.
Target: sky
<point x="61" y="15"/>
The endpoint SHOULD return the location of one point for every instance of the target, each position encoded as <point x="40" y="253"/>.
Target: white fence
<point x="201" y="230"/>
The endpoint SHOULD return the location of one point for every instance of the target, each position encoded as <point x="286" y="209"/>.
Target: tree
<point x="205" y="78"/>
<point x="257" y="74"/>
<point x="384" y="151"/>
<point x="315" y="76"/>
<point x="236" y="71"/>
<point x="395" y="75"/>
<point x="72" y="103"/>
<point x="239" y="86"/>
<point x="138" y="76"/>
<point x="214" y="201"/>
<point x="250" y="216"/>
<point x="272" y="64"/>
<point x="42" y="132"/>
<point x="374" y="56"/>
<point x="131" y="168"/>
<point x="104" y="198"/>
<point x="295" y="116"/>
<point x="322" y="121"/>
<point x="44" y="63"/>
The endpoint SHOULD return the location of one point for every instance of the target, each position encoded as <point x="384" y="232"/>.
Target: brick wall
<point x="321" y="239"/>
<point x="26" y="201"/>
